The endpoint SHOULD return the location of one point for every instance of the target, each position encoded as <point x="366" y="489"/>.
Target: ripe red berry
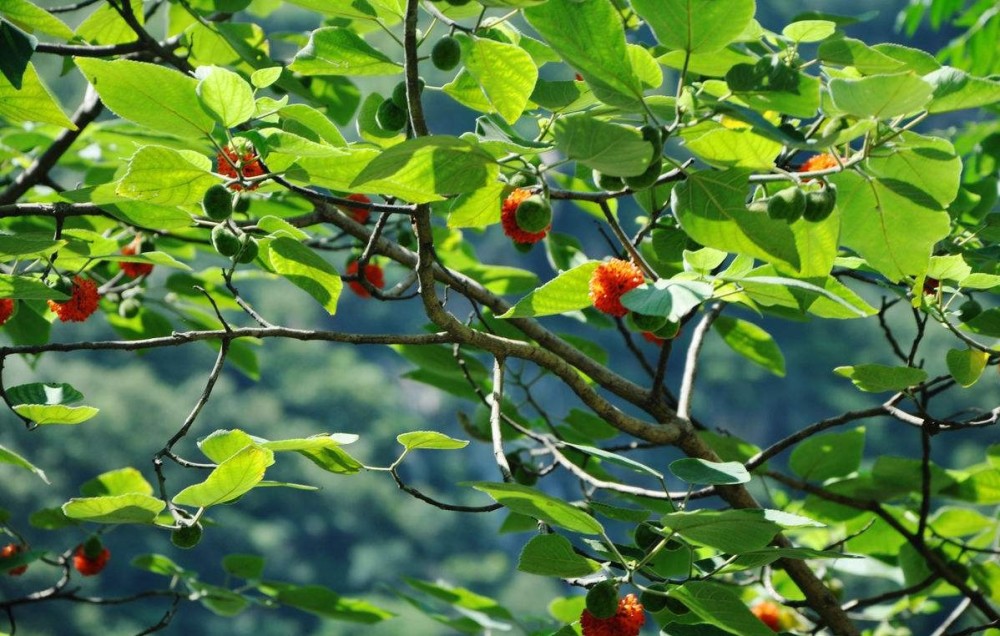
<point x="822" y="161"/>
<point x="769" y="613"/>
<point x="82" y="303"/>
<point x="358" y="213"/>
<point x="6" y="310"/>
<point x="610" y="281"/>
<point x="9" y="551"/>
<point x="134" y="270"/>
<point x="245" y="159"/>
<point x="931" y="286"/>
<point x="627" y="621"/>
<point x="508" y="219"/>
<point x="373" y="274"/>
<point x="89" y="565"/>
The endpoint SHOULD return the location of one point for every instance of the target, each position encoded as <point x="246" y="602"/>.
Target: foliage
<point x="765" y="174"/>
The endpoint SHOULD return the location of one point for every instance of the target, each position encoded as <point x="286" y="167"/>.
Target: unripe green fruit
<point x="224" y="241"/>
<point x="521" y="180"/>
<point x="129" y="308"/>
<point x="390" y="117"/>
<point x="651" y="601"/>
<point x="647" y="178"/>
<point x="645" y="322"/>
<point x="820" y="204"/>
<point x="447" y="53"/>
<point x="602" y="599"/>
<point x="969" y="310"/>
<point x="218" y="202"/>
<point x="248" y="249"/>
<point x="787" y="205"/>
<point x="241" y="205"/>
<point x="186" y="537"/>
<point x="534" y="214"/>
<point x="399" y="93"/>
<point x="668" y="331"/>
<point x="525" y="476"/>
<point x="524" y="248"/>
<point x="759" y="206"/>
<point x="653" y="135"/>
<point x="607" y="182"/>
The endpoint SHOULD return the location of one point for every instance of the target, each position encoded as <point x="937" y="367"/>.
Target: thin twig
<point x="691" y="362"/>
<point x="496" y="406"/>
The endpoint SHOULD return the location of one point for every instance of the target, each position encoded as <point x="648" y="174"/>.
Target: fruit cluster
<point x="227" y="240"/>
<point x="83" y="301"/>
<point x="239" y="162"/>
<point x="525" y="217"/>
<point x="627" y="620"/>
<point x="373" y="275"/>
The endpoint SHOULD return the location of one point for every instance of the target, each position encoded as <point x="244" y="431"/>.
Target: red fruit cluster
<point x="769" y="614"/>
<point x="508" y="219"/>
<point x="358" y="213"/>
<point x="823" y="161"/>
<point x="610" y="281"/>
<point x="134" y="270"/>
<point x="228" y="160"/>
<point x="373" y="274"/>
<point x="6" y="309"/>
<point x="82" y="303"/>
<point x="627" y="621"/>
<point x="9" y="551"/>
<point x="90" y="565"/>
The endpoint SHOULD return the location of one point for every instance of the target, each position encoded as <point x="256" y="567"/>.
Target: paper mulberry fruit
<point x="82" y="303"/>
<point x="359" y="213"/>
<point x="134" y="270"/>
<point x="610" y="281"/>
<point x="627" y="621"/>
<point x="244" y="158"/>
<point x="9" y="551"/>
<point x="373" y="274"/>
<point x="508" y="218"/>
<point x="769" y="614"/>
<point x="90" y="559"/>
<point x="823" y="161"/>
<point x="6" y="309"/>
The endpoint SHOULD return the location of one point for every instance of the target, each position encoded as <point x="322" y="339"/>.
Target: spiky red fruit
<point x="373" y="274"/>
<point x="823" y="161"/>
<point x="769" y="614"/>
<point x="89" y="565"/>
<point x="610" y="281"/>
<point x="245" y="159"/>
<point x="508" y="218"/>
<point x="134" y="270"/>
<point x="82" y="303"/>
<point x="9" y="551"/>
<point x="358" y="213"/>
<point x="627" y="621"/>
<point x="6" y="309"/>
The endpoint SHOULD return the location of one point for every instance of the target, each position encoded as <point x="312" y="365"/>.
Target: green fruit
<point x="668" y="331"/>
<point x="521" y="180"/>
<point x="647" y="178"/>
<point x="651" y="601"/>
<point x="248" y="249"/>
<point x="759" y="206"/>
<point x="390" y="117"/>
<point x="224" y="241"/>
<point x="186" y="537"/>
<point x="787" y="205"/>
<point x="399" y="93"/>
<point x="653" y="135"/>
<point x="129" y="308"/>
<point x="820" y="204"/>
<point x="241" y="205"/>
<point x="218" y="203"/>
<point x="602" y="599"/>
<point x="446" y="54"/>
<point x="534" y="214"/>
<point x="645" y="322"/>
<point x="969" y="310"/>
<point x="524" y="248"/>
<point x="743" y="77"/>
<point x="607" y="182"/>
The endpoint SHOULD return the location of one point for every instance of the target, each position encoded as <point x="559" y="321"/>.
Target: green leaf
<point x="566" y="292"/>
<point x="876" y="378"/>
<point x="219" y="600"/>
<point x="673" y="299"/>
<point x="313" y="442"/>
<point x="751" y="342"/>
<point x="124" y="481"/>
<point x="590" y="37"/>
<point x="614" y="458"/>
<point x="43" y="393"/>
<point x="226" y="95"/>
<point x="16" y="48"/>
<point x="701" y="471"/>
<point x="881" y="96"/>
<point x="696" y="26"/>
<point x="732" y="531"/>
<point x="32" y="102"/>
<point x="890" y="224"/>
<point x="612" y="149"/>
<point x="149" y="95"/>
<point x="129" y="508"/>
<point x="8" y="456"/>
<point x="429" y="440"/>
<point x="913" y="157"/>
<point x="336" y="171"/>
<point x="760" y="558"/>
<point x="341" y="51"/>
<point x="711" y="207"/>
<point x="14" y="246"/>
<point x="222" y="444"/>
<point x="724" y="147"/>
<point x="423" y="169"/>
<point x="56" y="413"/>
<point x="553" y="555"/>
<point x="851" y="52"/>
<point x="305" y="269"/>
<point x="957" y="90"/>
<point x="244" y="566"/>
<point x="158" y="564"/>
<point x="966" y="365"/>
<point x="333" y="460"/>
<point x="720" y="606"/>
<point x="51" y="519"/>
<point x="32" y="18"/>
<point x="987" y="323"/>
<point x="313" y="121"/>
<point x="953" y="522"/>
<point x="478" y="208"/>
<point x="505" y="72"/>
<point x="326" y="603"/>
<point x="809" y="30"/>
<point x="166" y="177"/>
<point x="230" y="479"/>
<point x="264" y="77"/>
<point x="828" y="455"/>
<point x="534" y="503"/>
